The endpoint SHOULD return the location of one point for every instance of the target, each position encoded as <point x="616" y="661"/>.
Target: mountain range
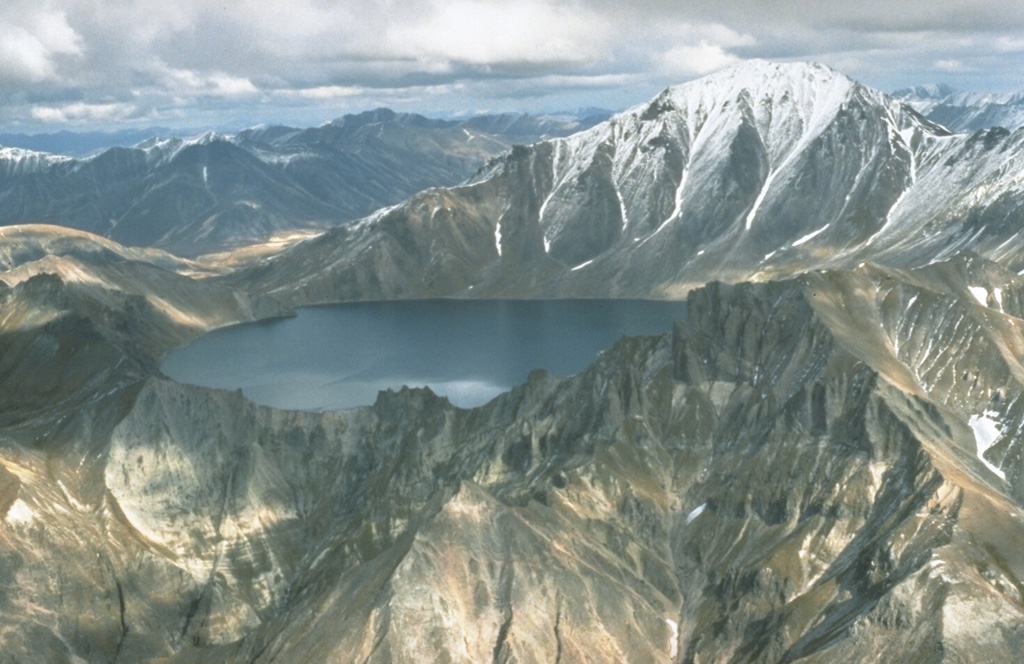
<point x="821" y="463"/>
<point x="81" y="143"/>
<point x="964" y="111"/>
<point x="217" y="191"/>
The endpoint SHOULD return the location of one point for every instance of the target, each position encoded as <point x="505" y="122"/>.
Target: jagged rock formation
<point x="801" y="471"/>
<point x="215" y="191"/>
<point x="757" y="172"/>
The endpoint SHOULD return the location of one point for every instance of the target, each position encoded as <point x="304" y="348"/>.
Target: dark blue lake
<point x="340" y="356"/>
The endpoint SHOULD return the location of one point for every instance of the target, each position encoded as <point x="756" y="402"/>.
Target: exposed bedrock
<point x="790" y="475"/>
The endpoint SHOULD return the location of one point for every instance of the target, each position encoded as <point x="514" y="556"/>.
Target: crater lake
<point x="340" y="356"/>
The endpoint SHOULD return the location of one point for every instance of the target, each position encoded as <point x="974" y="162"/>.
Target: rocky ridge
<point x="791" y="475"/>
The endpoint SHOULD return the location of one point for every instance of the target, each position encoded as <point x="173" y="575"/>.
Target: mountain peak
<point x="805" y="85"/>
<point x="764" y="75"/>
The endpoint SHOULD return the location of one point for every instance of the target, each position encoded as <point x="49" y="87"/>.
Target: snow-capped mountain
<point x="18" y="161"/>
<point x="764" y="169"/>
<point x="964" y="111"/>
<point x="209" y="192"/>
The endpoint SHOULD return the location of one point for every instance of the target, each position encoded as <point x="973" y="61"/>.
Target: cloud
<point x="81" y="112"/>
<point x="703" y="58"/>
<point x="950" y="65"/>
<point x="488" y="32"/>
<point x="325" y="92"/>
<point x="31" y="42"/>
<point x="700" y="48"/>
<point x="187" y="82"/>
<point x="264" y="60"/>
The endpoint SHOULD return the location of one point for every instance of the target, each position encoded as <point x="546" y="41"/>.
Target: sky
<point x="196" y="64"/>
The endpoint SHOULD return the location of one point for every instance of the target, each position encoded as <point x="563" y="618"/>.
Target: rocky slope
<point x="216" y="191"/>
<point x="760" y="171"/>
<point x="823" y="469"/>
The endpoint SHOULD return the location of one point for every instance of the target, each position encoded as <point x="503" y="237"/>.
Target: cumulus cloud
<point x="31" y="42"/>
<point x="81" y="112"/>
<point x="702" y="58"/>
<point x="265" y="60"/>
<point x="701" y="48"/>
<point x="191" y="83"/>
<point x="486" y="32"/>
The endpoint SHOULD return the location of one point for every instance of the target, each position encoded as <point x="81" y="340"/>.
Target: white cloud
<point x="192" y="83"/>
<point x="950" y="65"/>
<point x="700" y="59"/>
<point x="30" y="43"/>
<point x="694" y="49"/>
<point x="81" y="112"/>
<point x="1006" y="44"/>
<point x="325" y="92"/>
<point x="202" y="60"/>
<point x="489" y="32"/>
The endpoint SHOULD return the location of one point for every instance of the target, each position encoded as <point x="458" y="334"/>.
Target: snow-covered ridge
<point x="166" y="149"/>
<point x="815" y="93"/>
<point x="18" y="161"/>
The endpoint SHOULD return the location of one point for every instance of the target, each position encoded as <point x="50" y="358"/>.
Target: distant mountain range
<point x="81" y="143"/>
<point x="215" y="191"/>
<point x="964" y="111"/>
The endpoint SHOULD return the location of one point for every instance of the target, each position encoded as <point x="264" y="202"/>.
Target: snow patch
<point x="696" y="512"/>
<point x="674" y="642"/>
<point x="582" y="265"/>
<point x="19" y="513"/>
<point x="980" y="294"/>
<point x="760" y="199"/>
<point x="986" y="433"/>
<point x="810" y="236"/>
<point x="678" y="208"/>
<point x="622" y="210"/>
<point x="497" y="238"/>
<point x="205" y="179"/>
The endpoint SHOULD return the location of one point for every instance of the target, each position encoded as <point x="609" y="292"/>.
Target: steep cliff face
<point x="793" y="474"/>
